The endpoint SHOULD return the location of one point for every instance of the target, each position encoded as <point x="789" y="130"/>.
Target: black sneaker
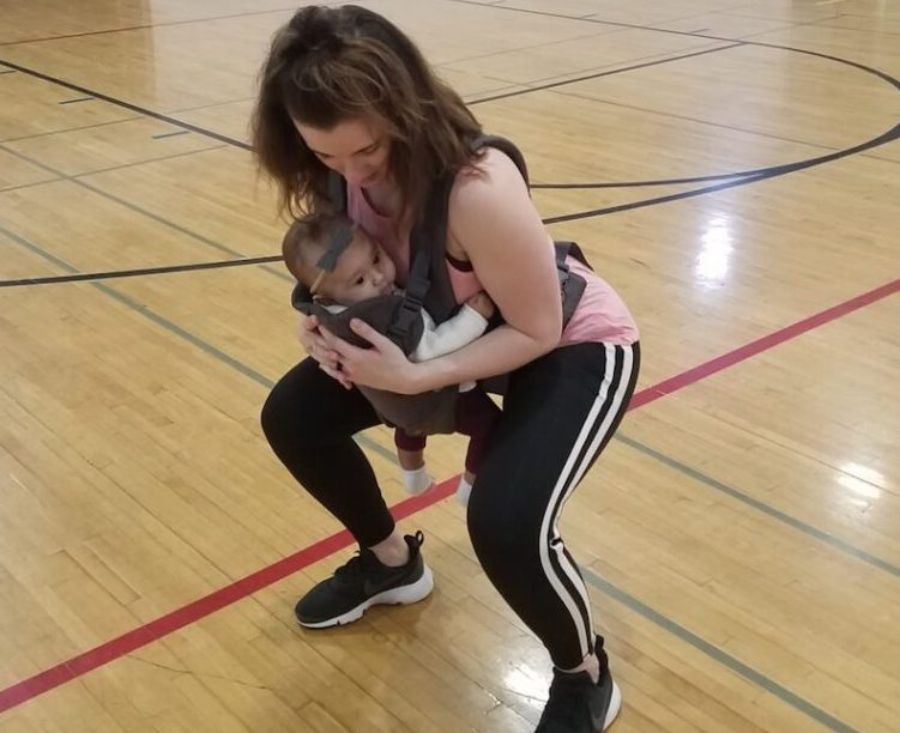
<point x="577" y="705"/>
<point x="362" y="582"/>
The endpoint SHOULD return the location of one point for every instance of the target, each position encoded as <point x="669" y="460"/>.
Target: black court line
<point x="33" y="184"/>
<point x="61" y="176"/>
<point x="636" y="184"/>
<point x="68" y="129"/>
<point x="600" y="74"/>
<point x="210" y="106"/>
<point x="128" y="105"/>
<point x="240" y="258"/>
<point x="237" y="143"/>
<point x="743" y="177"/>
<point x="673" y="116"/>
<point x="76" y="100"/>
<point x="144" y="27"/>
<point x="590" y="19"/>
<point x="246" y="146"/>
<point x="889" y="136"/>
<point x="731" y="179"/>
<point x="748" y="174"/>
<point x="76" y="180"/>
<point x="824" y="24"/>
<point x="171" y="134"/>
<point x="773" y="172"/>
<point x="660" y="619"/>
<point x="167" y="269"/>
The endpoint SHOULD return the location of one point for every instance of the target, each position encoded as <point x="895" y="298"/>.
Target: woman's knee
<point x="309" y="408"/>
<point x="282" y="415"/>
<point x="501" y="529"/>
<point x="273" y="416"/>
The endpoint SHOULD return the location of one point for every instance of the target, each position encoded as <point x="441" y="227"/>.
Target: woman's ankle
<point x="410" y="460"/>
<point x="392" y="551"/>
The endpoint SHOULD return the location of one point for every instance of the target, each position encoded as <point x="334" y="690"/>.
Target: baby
<point x="359" y="269"/>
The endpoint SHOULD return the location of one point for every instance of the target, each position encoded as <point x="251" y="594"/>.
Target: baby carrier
<point x="398" y="316"/>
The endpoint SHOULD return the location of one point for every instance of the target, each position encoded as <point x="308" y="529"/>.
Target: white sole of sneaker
<point x="615" y="703"/>
<point x="404" y="595"/>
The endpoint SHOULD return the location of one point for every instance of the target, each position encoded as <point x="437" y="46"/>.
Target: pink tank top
<point x="601" y="315"/>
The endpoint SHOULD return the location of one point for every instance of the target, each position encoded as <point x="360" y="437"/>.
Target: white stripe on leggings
<point x="567" y="481"/>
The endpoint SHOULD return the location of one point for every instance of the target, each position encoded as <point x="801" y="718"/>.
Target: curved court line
<point x="763" y="174"/>
<point x="774" y="172"/>
<point x="181" y="617"/>
<point x="140" y="637"/>
<point x="731" y="180"/>
<point x="755" y="173"/>
<point x="768" y="171"/>
<point x="883" y="139"/>
<point x="636" y="184"/>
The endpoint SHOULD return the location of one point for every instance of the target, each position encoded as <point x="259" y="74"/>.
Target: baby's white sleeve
<point x="451" y="335"/>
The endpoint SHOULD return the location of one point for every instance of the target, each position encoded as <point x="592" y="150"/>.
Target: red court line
<point x="186" y="615"/>
<point x="708" y="368"/>
<point x="120" y="646"/>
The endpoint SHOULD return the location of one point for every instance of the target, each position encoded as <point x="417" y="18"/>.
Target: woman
<point x="344" y="90"/>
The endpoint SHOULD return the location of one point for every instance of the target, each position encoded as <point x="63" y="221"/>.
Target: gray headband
<point x="340" y="240"/>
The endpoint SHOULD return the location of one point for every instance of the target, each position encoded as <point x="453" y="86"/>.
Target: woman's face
<point x="357" y="149"/>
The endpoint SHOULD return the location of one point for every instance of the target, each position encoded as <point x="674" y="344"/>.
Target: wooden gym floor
<point x="731" y="167"/>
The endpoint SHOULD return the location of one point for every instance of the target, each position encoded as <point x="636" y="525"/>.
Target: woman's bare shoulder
<point x="491" y="185"/>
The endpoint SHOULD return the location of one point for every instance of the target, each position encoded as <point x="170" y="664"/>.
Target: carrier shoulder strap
<point x="429" y="283"/>
<point x="504" y="146"/>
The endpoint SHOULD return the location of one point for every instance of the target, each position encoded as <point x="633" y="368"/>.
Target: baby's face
<point x="363" y="271"/>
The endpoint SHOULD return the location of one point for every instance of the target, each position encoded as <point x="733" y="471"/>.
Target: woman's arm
<point x="494" y="221"/>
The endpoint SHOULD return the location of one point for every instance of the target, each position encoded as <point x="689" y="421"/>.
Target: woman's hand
<point x="316" y="346"/>
<point x="483" y="305"/>
<point x="384" y="366"/>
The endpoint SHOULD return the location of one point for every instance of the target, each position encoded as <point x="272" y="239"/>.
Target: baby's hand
<point x="482" y="304"/>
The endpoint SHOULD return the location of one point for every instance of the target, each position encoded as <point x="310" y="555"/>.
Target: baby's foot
<point x="417" y="481"/>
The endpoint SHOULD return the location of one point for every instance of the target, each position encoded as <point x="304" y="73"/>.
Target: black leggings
<point x="558" y="414"/>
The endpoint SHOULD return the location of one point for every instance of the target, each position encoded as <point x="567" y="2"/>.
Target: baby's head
<point x="361" y="270"/>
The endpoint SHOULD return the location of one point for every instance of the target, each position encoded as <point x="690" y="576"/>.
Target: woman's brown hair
<point x="331" y="64"/>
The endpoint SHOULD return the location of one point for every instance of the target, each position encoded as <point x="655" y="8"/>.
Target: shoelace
<point x="365" y="560"/>
<point x="355" y="567"/>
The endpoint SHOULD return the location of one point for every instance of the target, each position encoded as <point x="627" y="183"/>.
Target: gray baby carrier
<point x="398" y="316"/>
